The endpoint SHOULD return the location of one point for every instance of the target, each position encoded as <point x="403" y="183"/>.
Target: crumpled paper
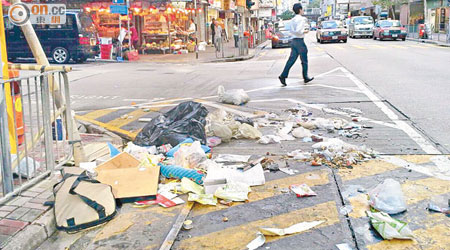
<point x="388" y="227"/>
<point x="296" y="228"/>
<point x="205" y="199"/>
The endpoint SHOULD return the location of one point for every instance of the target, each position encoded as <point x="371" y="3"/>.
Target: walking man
<point x="213" y="31"/>
<point x="298" y="29"/>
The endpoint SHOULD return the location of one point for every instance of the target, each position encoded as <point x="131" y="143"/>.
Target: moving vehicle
<point x="389" y="29"/>
<point x="281" y="37"/>
<point x="76" y="39"/>
<point x="313" y="26"/>
<point x="331" y="31"/>
<point x="361" y="26"/>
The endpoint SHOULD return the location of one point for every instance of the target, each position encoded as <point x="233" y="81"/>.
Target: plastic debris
<point x="187" y="225"/>
<point x="225" y="158"/>
<point x="344" y="246"/>
<point x="163" y="149"/>
<point x="139" y="152"/>
<point x="190" y="186"/>
<point x="113" y="151"/>
<point x="225" y="219"/>
<point x="221" y="130"/>
<point x="165" y="200"/>
<point x="300" y="155"/>
<point x="287" y="171"/>
<point x="338" y="153"/>
<point x="233" y="191"/>
<point x="257" y="242"/>
<point x="296" y="228"/>
<point x="308" y="125"/>
<point x="89" y="166"/>
<point x="246" y="131"/>
<point x="213" y="141"/>
<point x="26" y="166"/>
<point x="232" y="96"/>
<point x="252" y="177"/>
<point x="190" y="156"/>
<point x="284" y="132"/>
<point x="269" y="139"/>
<point x="346" y="209"/>
<point x="247" y="120"/>
<point x="205" y="199"/>
<point x="302" y="190"/>
<point x="389" y="228"/>
<point x="187" y="142"/>
<point x="388" y="197"/>
<point x="301" y="132"/>
<point x="186" y="120"/>
<point x="177" y="172"/>
<point x="434" y="208"/>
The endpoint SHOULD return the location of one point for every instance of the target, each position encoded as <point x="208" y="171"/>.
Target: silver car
<point x="361" y="26"/>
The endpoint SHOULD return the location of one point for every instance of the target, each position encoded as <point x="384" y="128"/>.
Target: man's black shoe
<point x="309" y="79"/>
<point x="282" y="80"/>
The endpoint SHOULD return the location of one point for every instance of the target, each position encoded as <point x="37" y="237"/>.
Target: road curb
<point x="258" y="49"/>
<point x="428" y="41"/>
<point x="95" y="129"/>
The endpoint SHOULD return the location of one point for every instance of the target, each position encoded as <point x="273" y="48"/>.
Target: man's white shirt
<point x="298" y="24"/>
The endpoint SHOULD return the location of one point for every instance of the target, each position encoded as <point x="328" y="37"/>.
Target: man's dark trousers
<point x="298" y="48"/>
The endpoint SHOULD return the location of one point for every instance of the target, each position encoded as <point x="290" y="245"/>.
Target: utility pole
<point x="196" y="29"/>
<point x="41" y="59"/>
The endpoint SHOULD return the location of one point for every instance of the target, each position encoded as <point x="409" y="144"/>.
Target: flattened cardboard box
<point x="130" y="182"/>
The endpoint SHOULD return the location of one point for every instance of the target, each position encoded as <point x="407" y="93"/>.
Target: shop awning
<point x="5" y="3"/>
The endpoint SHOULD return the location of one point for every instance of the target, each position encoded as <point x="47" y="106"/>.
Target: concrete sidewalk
<point x="439" y="43"/>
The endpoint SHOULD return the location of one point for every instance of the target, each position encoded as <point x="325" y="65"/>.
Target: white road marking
<point x="410" y="131"/>
<point x="433" y="170"/>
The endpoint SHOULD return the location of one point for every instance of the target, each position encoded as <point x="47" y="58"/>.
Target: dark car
<point x="282" y="37"/>
<point x="389" y="29"/>
<point x="76" y="39"/>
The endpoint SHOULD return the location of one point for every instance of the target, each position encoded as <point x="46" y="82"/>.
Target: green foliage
<point x="286" y="15"/>
<point x="314" y="4"/>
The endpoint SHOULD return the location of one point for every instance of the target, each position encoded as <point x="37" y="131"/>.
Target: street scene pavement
<point x="397" y="91"/>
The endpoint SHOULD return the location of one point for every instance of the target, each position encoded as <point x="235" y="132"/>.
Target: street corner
<point x="420" y="192"/>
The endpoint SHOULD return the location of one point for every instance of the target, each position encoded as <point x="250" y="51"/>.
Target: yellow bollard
<point x="8" y="97"/>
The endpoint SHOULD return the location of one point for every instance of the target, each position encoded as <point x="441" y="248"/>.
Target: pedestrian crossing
<point x="342" y="46"/>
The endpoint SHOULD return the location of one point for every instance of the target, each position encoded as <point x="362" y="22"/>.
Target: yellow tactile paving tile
<point x="364" y="169"/>
<point x="238" y="237"/>
<point x="98" y="113"/>
<point x="433" y="238"/>
<point x="414" y="191"/>
<point x="270" y="189"/>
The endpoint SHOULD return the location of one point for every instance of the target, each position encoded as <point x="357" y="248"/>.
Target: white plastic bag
<point x="246" y="131"/>
<point x="233" y="191"/>
<point x="232" y="96"/>
<point x="190" y="156"/>
<point x="301" y="132"/>
<point x="222" y="131"/>
<point x="269" y="139"/>
<point x="388" y="197"/>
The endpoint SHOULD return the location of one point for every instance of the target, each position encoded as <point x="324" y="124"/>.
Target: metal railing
<point x="228" y="50"/>
<point x="40" y="127"/>
<point x="430" y="33"/>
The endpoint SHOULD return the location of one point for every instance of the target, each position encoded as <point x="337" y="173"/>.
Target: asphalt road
<point x="411" y="76"/>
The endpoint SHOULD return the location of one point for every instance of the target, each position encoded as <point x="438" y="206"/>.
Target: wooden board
<point x="128" y="180"/>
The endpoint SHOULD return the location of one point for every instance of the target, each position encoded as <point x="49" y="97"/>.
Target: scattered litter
<point x="187" y="142"/>
<point x="130" y="179"/>
<point x="205" y="199"/>
<point x="167" y="200"/>
<point x="247" y="120"/>
<point x="163" y="149"/>
<point x="233" y="191"/>
<point x="307" y="139"/>
<point x="344" y="246"/>
<point x="300" y="155"/>
<point x="302" y="190"/>
<point x="257" y="242"/>
<point x="434" y="208"/>
<point x="186" y="120"/>
<point x="213" y="141"/>
<point x="227" y="158"/>
<point x="297" y="228"/>
<point x="187" y="225"/>
<point x="26" y="166"/>
<point x="221" y="130"/>
<point x="388" y="197"/>
<point x="139" y="152"/>
<point x="190" y="186"/>
<point x="177" y="172"/>
<point x="113" y="151"/>
<point x="89" y="166"/>
<point x="301" y="132"/>
<point x="145" y="119"/>
<point x="246" y="131"/>
<point x="338" y="153"/>
<point x="346" y="209"/>
<point x="190" y="156"/>
<point x="389" y="228"/>
<point x="308" y="125"/>
<point x="287" y="171"/>
<point x="232" y="96"/>
<point x="284" y="132"/>
<point x="225" y="219"/>
<point x="269" y="139"/>
<point x="252" y="177"/>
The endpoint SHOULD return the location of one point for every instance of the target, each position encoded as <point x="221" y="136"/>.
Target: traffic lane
<point x="413" y="79"/>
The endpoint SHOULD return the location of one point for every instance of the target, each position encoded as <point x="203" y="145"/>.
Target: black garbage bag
<point x="186" y="120"/>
